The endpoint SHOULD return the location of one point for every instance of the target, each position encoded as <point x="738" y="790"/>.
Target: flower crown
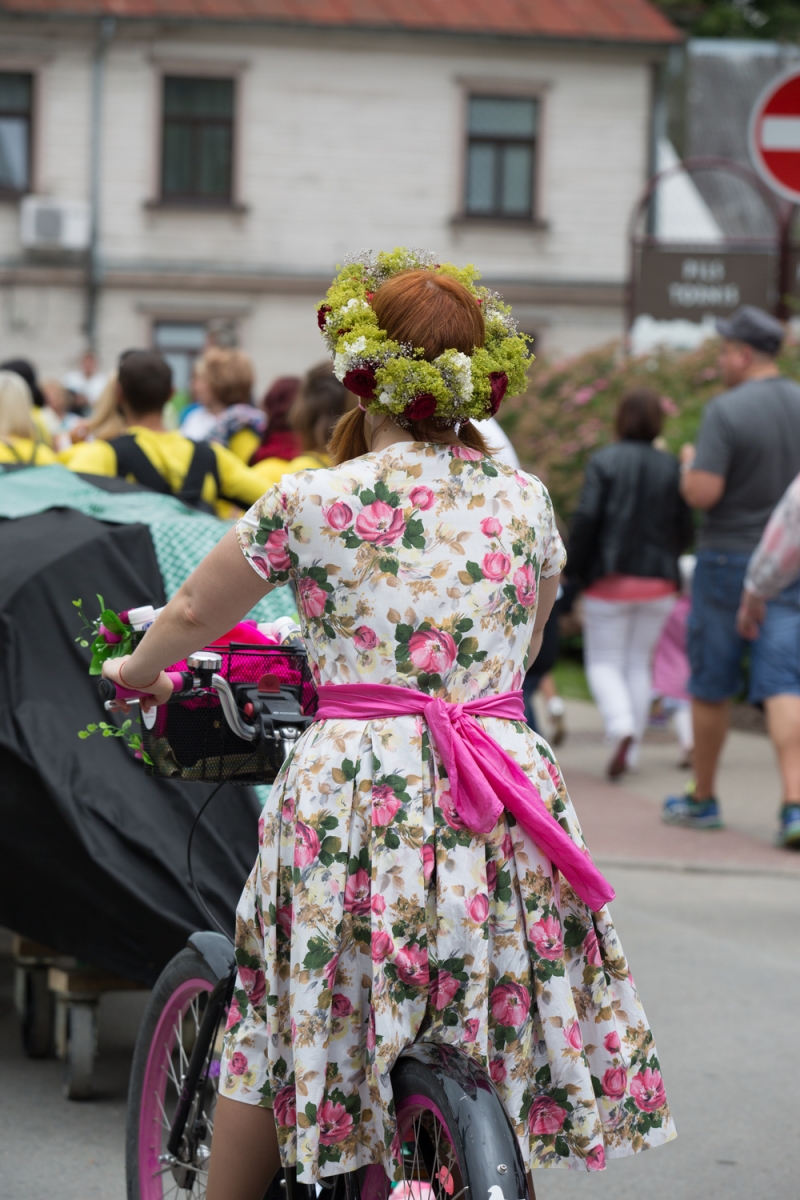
<point x="394" y="377"/>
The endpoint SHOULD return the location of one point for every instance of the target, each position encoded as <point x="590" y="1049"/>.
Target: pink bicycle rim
<point x="154" y="1087"/>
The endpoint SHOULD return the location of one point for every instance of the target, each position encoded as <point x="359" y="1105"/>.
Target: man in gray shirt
<point x="748" y="453"/>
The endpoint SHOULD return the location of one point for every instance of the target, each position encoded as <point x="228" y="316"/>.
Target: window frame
<point x="8" y="67"/>
<point x="511" y="89"/>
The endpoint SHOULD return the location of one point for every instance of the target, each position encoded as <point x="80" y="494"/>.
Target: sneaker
<point x="789" y="835"/>
<point x="693" y="814"/>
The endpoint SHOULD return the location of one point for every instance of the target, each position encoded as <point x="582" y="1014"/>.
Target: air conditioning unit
<point x="46" y="223"/>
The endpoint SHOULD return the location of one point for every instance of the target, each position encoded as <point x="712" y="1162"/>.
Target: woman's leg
<point x="605" y="634"/>
<point x="244" y="1151"/>
<point x="647" y="620"/>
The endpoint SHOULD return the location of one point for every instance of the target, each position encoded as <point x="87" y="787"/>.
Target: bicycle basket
<point x="191" y="739"/>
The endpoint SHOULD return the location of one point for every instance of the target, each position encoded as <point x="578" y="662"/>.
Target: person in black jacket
<point x="630" y="526"/>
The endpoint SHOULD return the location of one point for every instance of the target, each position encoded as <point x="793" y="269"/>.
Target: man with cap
<point x="748" y="452"/>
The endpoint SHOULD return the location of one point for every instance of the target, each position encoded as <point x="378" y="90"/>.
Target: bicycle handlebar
<point x="182" y="681"/>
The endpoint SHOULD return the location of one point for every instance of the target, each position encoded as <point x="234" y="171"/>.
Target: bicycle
<point x="455" y="1138"/>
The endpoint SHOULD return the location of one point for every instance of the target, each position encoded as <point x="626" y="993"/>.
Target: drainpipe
<point x="658" y="130"/>
<point x="106" y="33"/>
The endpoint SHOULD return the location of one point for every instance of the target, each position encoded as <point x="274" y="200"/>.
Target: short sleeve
<point x="264" y="536"/>
<point x="554" y="556"/>
<point x="714" y="444"/>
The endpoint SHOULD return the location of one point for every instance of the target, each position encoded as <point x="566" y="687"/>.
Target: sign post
<point x="774" y="138"/>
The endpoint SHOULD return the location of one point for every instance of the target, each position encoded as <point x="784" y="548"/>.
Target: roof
<point x="613" y="21"/>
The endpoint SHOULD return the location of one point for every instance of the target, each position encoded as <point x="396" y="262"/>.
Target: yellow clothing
<point x="244" y="444"/>
<point x="42" y="428"/>
<point x="171" y="454"/>
<point x="25" y="450"/>
<point x="272" y="470"/>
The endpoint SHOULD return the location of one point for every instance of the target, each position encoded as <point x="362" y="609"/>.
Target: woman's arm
<point x="548" y="590"/>
<point x="775" y="562"/>
<point x="213" y="599"/>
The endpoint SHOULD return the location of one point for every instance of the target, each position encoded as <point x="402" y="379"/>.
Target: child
<point x="671" y="663"/>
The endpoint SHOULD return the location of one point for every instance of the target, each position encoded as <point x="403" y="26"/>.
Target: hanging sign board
<point x="774" y="135"/>
<point x="689" y="284"/>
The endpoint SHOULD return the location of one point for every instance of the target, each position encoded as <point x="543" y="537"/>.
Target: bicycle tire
<point x="175" y="1001"/>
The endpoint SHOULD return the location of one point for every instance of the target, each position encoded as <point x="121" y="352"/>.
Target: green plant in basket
<point x="95" y="635"/>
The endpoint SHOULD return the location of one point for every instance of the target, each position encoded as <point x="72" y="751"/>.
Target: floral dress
<point x="373" y="917"/>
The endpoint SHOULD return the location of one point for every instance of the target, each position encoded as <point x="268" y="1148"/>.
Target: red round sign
<point x="775" y="135"/>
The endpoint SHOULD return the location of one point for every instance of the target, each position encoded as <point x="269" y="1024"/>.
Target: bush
<point x="568" y="410"/>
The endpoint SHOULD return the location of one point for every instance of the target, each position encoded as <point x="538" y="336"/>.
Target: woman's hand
<point x="751" y="614"/>
<point x="160" y="690"/>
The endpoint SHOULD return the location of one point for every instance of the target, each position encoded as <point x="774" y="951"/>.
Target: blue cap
<point x="754" y="327"/>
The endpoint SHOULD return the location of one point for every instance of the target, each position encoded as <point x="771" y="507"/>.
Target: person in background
<point x="671" y="663"/>
<point x="279" y="441"/>
<point x="225" y="387"/>
<point x="201" y="474"/>
<point x="27" y="371"/>
<point x="539" y="677"/>
<point x="748" y="453"/>
<point x="627" y="533"/>
<point x="322" y="399"/>
<point x="57" y="414"/>
<point x="772" y="582"/>
<point x="105" y="423"/>
<point x="87" y="382"/>
<point x="19" y="438"/>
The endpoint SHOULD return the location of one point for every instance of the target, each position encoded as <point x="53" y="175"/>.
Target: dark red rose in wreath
<point x="422" y="406"/>
<point x="498" y="381"/>
<point x="361" y="382"/>
<point x="322" y="314"/>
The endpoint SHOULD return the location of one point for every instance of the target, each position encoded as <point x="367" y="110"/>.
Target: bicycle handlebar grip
<point x="181" y="681"/>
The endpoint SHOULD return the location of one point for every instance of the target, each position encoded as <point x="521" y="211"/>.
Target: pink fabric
<point x="483" y="778"/>
<point x="630" y="589"/>
<point x="671" y="661"/>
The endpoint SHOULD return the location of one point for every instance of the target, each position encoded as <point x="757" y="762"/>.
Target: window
<point x="181" y="343"/>
<point x="197" y="143"/>
<point x="16" y="96"/>
<point x="501" y="156"/>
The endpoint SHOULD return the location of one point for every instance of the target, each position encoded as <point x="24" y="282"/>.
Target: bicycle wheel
<point x="166" y="1037"/>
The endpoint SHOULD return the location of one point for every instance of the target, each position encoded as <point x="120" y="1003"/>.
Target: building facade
<point x="193" y="174"/>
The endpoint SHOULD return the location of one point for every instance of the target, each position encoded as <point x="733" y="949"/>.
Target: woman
<point x="279" y="441"/>
<point x="226" y="413"/>
<point x="376" y="913"/>
<point x="629" y="529"/>
<point x="105" y="423"/>
<point x="19" y="438"/>
<point x="320" y="403"/>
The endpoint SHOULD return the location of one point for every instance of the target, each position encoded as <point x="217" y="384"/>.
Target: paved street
<point x="713" y="940"/>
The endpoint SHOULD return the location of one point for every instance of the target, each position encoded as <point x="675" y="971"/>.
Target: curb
<point x="696" y="868"/>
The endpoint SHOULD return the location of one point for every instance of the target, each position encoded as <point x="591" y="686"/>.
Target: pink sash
<point x="483" y="778"/>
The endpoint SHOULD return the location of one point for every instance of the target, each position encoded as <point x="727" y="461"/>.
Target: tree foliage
<point x="777" y="20"/>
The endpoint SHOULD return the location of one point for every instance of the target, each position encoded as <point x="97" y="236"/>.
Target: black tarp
<point x="92" y="850"/>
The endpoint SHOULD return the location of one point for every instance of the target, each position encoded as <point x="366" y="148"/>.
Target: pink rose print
<point x="428" y="861"/>
<point x="306" y="844"/>
<point x="449" y="811"/>
<point x="237" y="1064"/>
<point x="525" y="585"/>
<point x="331" y="967"/>
<point x="546" y="1116"/>
<point x="234" y="1015"/>
<point x="356" y="893"/>
<point x="497" y="1070"/>
<point x="412" y="966"/>
<point x="573" y="1035"/>
<point x="546" y="937"/>
<point x="478" y="909"/>
<point x="378" y="905"/>
<point x="384" y="804"/>
<point x="261" y="831"/>
<point x="277" y="549"/>
<point x="287" y="811"/>
<point x="471" y="1029"/>
<point x="647" y="1089"/>
<point x="596" y="1159"/>
<point x="371" y="1039"/>
<point x="432" y="650"/>
<point x="340" y="1006"/>
<point x="283" y="918"/>
<point x="510" y="1004"/>
<point x="444" y="989"/>
<point x="285" y="1106"/>
<point x="552" y="771"/>
<point x="380" y="524"/>
<point x="339" y="515"/>
<point x="611" y="1042"/>
<point x="615" y="1083"/>
<point x="467" y="453"/>
<point x="365" y="638"/>
<point x="335" y="1123"/>
<point x="312" y="597"/>
<point x="382" y="946"/>
<point x="491" y="875"/>
<point x="422" y="498"/>
<point x="496" y="566"/>
<point x="491" y="527"/>
<point x="592" y="950"/>
<point x="254" y="983"/>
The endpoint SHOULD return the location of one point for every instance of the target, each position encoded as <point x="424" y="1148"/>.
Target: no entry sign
<point x="775" y="135"/>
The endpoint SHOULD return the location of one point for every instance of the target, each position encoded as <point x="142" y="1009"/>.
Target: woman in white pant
<point x="630" y="526"/>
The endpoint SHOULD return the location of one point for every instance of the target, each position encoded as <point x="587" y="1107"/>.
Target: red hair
<point x="432" y="312"/>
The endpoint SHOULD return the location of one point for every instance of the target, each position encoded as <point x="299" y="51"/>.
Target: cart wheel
<point x="38" y="1012"/>
<point x="81" y="1046"/>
